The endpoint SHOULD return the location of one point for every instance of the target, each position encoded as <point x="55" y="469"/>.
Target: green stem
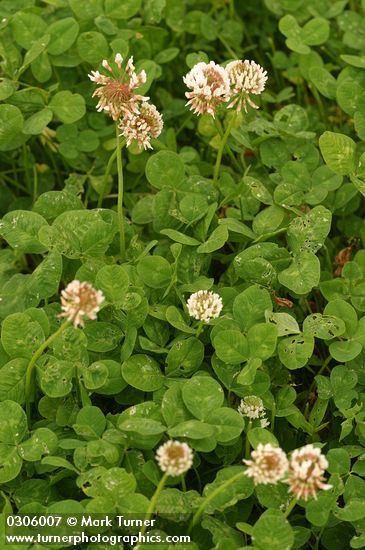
<point x="13" y="182"/>
<point x="35" y="183"/>
<point x="120" y="196"/>
<point x="267" y="236"/>
<point x="328" y="258"/>
<point x="318" y="538"/>
<point x="221" y="149"/>
<point x="319" y="101"/>
<point x="84" y="397"/>
<point x="32" y="362"/>
<point x="106" y="176"/>
<point x="227" y="46"/>
<point x="184" y="123"/>
<point x="232" y="11"/>
<point x="228" y="149"/>
<point x="55" y="166"/>
<point x="323" y="368"/>
<point x="199" y="329"/>
<point x="26" y="170"/>
<point x="59" y="476"/>
<point x="209" y="498"/>
<point x="290" y="507"/>
<point x="153" y="502"/>
<point x="261" y="139"/>
<point x="308" y="307"/>
<point x="273" y="415"/>
<point x="247" y="444"/>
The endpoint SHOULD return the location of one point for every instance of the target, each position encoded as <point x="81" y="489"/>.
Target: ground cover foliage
<point x="279" y="236"/>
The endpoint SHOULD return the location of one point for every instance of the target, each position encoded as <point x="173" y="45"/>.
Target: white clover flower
<point x="245" y="77"/>
<point x="264" y="422"/>
<point x="268" y="465"/>
<point x="174" y="458"/>
<point x="305" y="474"/>
<point x="204" y="305"/>
<point x="209" y="85"/>
<point x="79" y="300"/>
<point x="116" y="93"/>
<point x="141" y="126"/>
<point x="252" y="407"/>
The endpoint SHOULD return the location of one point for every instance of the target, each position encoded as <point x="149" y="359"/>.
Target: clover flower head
<point x="268" y="464"/>
<point x="141" y="126"/>
<point x="305" y="473"/>
<point x="174" y="458"/>
<point x="209" y="85"/>
<point x="204" y="305"/>
<point x="252" y="407"/>
<point x="116" y="91"/>
<point x="79" y="300"/>
<point x="245" y="77"/>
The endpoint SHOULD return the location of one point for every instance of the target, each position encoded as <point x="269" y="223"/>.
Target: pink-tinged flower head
<point x="306" y="469"/>
<point x="209" y="85"/>
<point x="142" y="126"/>
<point x="79" y="300"/>
<point x="174" y="458"/>
<point x="245" y="77"/>
<point x="268" y="464"/>
<point x="116" y="92"/>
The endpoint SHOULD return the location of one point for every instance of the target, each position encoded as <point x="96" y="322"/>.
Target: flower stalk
<point x="120" y="197"/>
<point x="136" y="120"/>
<point x="31" y="365"/>
<point x="290" y="507"/>
<point x="247" y="442"/>
<point x="200" y="511"/>
<point x="222" y="145"/>
<point x="106" y="176"/>
<point x="78" y="300"/>
<point x="152" y="505"/>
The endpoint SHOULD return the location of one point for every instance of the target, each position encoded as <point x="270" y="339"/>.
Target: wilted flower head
<point x="204" y="305"/>
<point x="79" y="300"/>
<point x="174" y="458"/>
<point x="245" y="77"/>
<point x="210" y="87"/>
<point x="116" y="92"/>
<point x="306" y="469"/>
<point x="142" y="126"/>
<point x="268" y="465"/>
<point x="252" y="407"/>
<point x="264" y="422"/>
